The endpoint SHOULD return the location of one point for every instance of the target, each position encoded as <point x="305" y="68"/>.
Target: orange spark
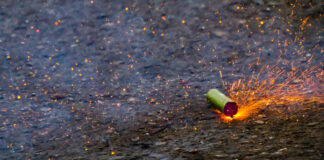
<point x="253" y="94"/>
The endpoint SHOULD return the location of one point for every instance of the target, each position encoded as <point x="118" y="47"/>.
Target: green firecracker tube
<point x="222" y="102"/>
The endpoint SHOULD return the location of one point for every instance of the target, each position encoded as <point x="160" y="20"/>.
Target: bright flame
<point x="223" y="116"/>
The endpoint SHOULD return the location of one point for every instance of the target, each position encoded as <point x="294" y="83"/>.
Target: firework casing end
<point x="222" y="102"/>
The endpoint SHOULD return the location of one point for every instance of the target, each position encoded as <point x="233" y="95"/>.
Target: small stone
<point x="109" y="24"/>
<point x="40" y="47"/>
<point x="280" y="151"/>
<point x="135" y="139"/>
<point x="274" y="3"/>
<point x="262" y="116"/>
<point x="312" y="124"/>
<point x="45" y="109"/>
<point x="242" y="21"/>
<point x="243" y="140"/>
<point x="219" y="33"/>
<point x="100" y="102"/>
<point x="256" y="149"/>
<point x="159" y="143"/>
<point x="192" y="150"/>
<point x="73" y="45"/>
<point x="268" y="9"/>
<point x="151" y="123"/>
<point x="132" y="100"/>
<point x="254" y="136"/>
<point x="102" y="48"/>
<point x="264" y="153"/>
<point x="221" y="154"/>
<point x="259" y="122"/>
<point x="116" y="62"/>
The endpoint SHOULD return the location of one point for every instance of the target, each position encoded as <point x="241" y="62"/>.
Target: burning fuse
<point x="221" y="102"/>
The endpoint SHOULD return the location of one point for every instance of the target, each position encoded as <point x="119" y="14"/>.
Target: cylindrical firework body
<point x="221" y="102"/>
